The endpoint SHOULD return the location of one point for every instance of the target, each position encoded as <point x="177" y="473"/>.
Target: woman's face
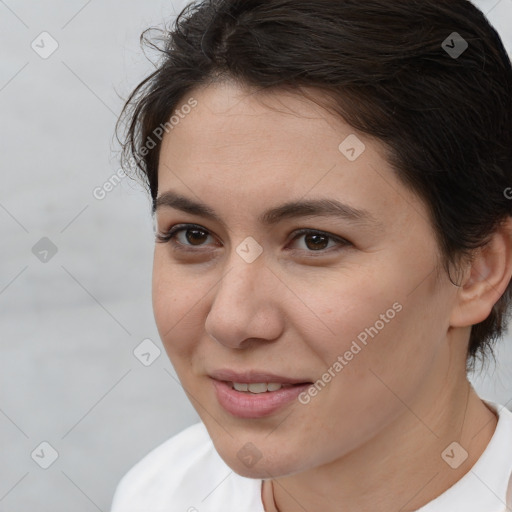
<point x="352" y="305"/>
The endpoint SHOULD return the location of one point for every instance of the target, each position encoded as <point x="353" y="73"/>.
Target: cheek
<point x="389" y="343"/>
<point x="176" y="304"/>
<point x="372" y="321"/>
<point x="342" y="305"/>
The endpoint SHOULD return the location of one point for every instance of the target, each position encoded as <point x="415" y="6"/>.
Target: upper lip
<point x="253" y="376"/>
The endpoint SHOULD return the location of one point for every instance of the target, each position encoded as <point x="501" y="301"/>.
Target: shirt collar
<point x="486" y="485"/>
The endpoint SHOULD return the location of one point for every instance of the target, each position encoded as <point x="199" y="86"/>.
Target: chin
<point x="258" y="472"/>
<point x="250" y="462"/>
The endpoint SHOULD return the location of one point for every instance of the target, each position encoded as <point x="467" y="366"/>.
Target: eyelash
<point x="170" y="235"/>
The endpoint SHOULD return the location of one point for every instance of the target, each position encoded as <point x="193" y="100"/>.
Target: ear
<point x="485" y="279"/>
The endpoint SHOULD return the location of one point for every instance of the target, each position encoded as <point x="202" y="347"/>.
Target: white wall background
<point x="68" y="327"/>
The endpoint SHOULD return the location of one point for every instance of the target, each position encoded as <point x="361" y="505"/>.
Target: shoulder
<point x="504" y="414"/>
<point x="180" y="475"/>
<point x="161" y="471"/>
<point x="499" y="450"/>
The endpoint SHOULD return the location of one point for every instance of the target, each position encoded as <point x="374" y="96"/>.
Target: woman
<point x="329" y="183"/>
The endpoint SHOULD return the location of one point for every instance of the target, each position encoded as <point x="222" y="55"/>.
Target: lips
<point x="255" y="394"/>
<point x="246" y="405"/>
<point x="254" y="377"/>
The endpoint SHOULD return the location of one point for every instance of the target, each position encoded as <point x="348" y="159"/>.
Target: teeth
<point x="257" y="387"/>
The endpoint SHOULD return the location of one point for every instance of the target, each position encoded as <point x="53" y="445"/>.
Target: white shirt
<point x="186" y="474"/>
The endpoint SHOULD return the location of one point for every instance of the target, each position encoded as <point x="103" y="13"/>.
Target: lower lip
<point x="255" y="405"/>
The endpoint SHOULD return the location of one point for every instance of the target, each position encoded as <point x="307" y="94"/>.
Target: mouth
<point x="261" y="387"/>
<point x="255" y="379"/>
<point x="253" y="395"/>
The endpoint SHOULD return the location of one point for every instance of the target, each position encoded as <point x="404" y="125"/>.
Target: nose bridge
<point x="242" y="303"/>
<point x="242" y="286"/>
<point x="242" y="275"/>
<point x="247" y="267"/>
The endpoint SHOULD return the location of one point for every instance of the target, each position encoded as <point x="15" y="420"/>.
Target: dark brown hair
<point x="393" y="70"/>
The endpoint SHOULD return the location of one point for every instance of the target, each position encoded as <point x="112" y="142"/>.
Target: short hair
<point x="430" y="79"/>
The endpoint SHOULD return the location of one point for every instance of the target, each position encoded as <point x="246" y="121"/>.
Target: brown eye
<point x="317" y="241"/>
<point x="185" y="236"/>
<point x="195" y="236"/>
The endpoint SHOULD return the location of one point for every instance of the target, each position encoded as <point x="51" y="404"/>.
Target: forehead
<point x="242" y="146"/>
<point x="228" y="117"/>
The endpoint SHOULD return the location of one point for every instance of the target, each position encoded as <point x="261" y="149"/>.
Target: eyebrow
<point x="322" y="207"/>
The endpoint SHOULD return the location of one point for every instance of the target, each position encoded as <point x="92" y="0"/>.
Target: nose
<point x="245" y="305"/>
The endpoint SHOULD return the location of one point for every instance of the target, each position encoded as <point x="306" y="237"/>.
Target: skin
<point x="373" y="437"/>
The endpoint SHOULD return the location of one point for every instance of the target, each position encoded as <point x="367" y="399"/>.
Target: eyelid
<point x="170" y="235"/>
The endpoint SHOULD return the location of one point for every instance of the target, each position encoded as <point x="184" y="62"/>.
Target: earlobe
<point x="486" y="278"/>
